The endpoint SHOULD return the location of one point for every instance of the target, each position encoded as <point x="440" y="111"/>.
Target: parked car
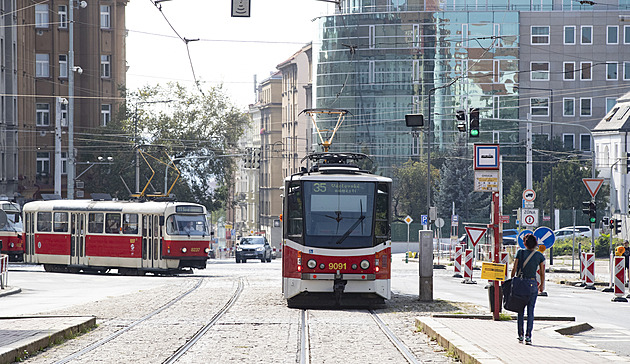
<point x="509" y="236"/>
<point x="253" y="247"/>
<point x="580" y="231"/>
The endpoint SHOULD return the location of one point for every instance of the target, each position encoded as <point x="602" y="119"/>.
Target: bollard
<point x="407" y="257"/>
<point x="543" y="293"/>
<point x="589" y="270"/>
<point x="620" y="278"/>
<point x="468" y="267"/>
<point x="458" y="261"/>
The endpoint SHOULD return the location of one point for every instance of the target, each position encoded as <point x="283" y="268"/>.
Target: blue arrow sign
<point x="520" y="236"/>
<point x="545" y="236"/>
<point x="424" y="219"/>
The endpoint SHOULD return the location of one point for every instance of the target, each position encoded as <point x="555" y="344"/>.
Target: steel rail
<point x="402" y="348"/>
<point x="132" y="325"/>
<point x="303" y="353"/>
<point x="184" y="348"/>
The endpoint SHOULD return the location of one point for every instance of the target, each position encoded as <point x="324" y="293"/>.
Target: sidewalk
<point x="486" y="341"/>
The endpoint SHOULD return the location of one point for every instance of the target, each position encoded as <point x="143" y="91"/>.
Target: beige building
<point x="43" y="70"/>
<point x="297" y="86"/>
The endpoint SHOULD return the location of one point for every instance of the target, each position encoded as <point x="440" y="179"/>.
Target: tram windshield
<point x="339" y="214"/>
<point x="187" y="225"/>
<point x="12" y="211"/>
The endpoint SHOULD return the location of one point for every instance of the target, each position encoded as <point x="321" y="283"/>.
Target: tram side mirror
<point x="161" y="221"/>
<point x="3" y="219"/>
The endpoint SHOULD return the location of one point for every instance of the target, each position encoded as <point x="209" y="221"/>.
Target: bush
<point x="602" y="246"/>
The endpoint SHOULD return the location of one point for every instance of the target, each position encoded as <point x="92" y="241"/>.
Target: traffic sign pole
<point x="497" y="247"/>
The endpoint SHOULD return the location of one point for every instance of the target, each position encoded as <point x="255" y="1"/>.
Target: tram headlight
<point x="184" y="250"/>
<point x="365" y="264"/>
<point x="354" y="266"/>
<point x="322" y="266"/>
<point x="311" y="263"/>
<point x="12" y="245"/>
<point x="207" y="250"/>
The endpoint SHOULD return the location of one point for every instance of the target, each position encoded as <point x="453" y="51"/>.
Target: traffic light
<point x="461" y="120"/>
<point x="590" y="210"/>
<point x="256" y="158"/>
<point x="617" y="226"/>
<point x="627" y="162"/>
<point x="474" y="123"/>
<point x="611" y="225"/>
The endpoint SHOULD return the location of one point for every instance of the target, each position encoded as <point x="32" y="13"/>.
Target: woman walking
<point x="525" y="265"/>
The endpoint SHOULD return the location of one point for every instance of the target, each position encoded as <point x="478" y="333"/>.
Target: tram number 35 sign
<point x="529" y="217"/>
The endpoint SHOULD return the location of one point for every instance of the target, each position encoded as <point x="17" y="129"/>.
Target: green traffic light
<point x="474" y="132"/>
<point x="593" y="220"/>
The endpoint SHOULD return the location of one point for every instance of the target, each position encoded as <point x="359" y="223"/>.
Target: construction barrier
<point x="458" y="261"/>
<point x="620" y="279"/>
<point x="539" y="280"/>
<point x="589" y="270"/>
<point x="468" y="267"/>
<point x="504" y="256"/>
<point x="4" y="270"/>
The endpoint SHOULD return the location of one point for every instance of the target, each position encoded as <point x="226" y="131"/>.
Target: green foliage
<point x="410" y="190"/>
<point x="564" y="247"/>
<point x="199" y="132"/>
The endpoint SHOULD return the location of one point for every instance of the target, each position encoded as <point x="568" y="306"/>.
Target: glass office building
<point x="383" y="59"/>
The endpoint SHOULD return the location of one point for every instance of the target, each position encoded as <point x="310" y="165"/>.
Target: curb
<point x="43" y="339"/>
<point x="574" y="329"/>
<point x="9" y="291"/>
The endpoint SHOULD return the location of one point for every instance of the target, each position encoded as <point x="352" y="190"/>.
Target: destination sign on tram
<point x="350" y="188"/>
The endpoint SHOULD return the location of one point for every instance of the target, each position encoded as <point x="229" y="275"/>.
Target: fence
<point x="444" y="251"/>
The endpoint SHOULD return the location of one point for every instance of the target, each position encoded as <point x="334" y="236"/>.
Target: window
<point x="587" y="34"/>
<point x="105" y="66"/>
<point x="63" y="66"/>
<point x="610" y="103"/>
<point x="540" y="71"/>
<point x="569" y="71"/>
<point x="130" y="223"/>
<point x="569" y="34"/>
<point x="585" y="106"/>
<point x="585" y="142"/>
<point x="60" y="222"/>
<point x="540" y="35"/>
<point x="95" y="223"/>
<point x="626" y="70"/>
<point x="612" y="34"/>
<point x="43" y="163"/>
<point x="585" y="68"/>
<point x="372" y="37"/>
<point x="611" y="71"/>
<point x="539" y="106"/>
<point x="64" y="162"/>
<point x="112" y="224"/>
<point x="105" y="17"/>
<point x="568" y="141"/>
<point x="44" y="221"/>
<point x="42" y="114"/>
<point x="41" y="16"/>
<point x="41" y="65"/>
<point x="568" y="108"/>
<point x="62" y="13"/>
<point x="106" y="114"/>
<point x="63" y="111"/>
<point x="626" y="34"/>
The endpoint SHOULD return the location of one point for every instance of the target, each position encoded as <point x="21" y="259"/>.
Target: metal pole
<point x="71" y="161"/>
<point x="135" y="140"/>
<point x="58" y="146"/>
<point x="429" y="157"/>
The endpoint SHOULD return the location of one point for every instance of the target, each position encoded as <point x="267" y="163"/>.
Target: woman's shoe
<point x="520" y="339"/>
<point x="528" y="341"/>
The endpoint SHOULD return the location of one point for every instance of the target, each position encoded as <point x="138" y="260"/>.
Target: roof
<point x="618" y="118"/>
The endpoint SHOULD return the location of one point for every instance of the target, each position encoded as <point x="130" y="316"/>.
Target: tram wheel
<point x="238" y="260"/>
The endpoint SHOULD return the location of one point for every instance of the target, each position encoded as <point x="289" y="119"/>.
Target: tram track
<point x="304" y="345"/>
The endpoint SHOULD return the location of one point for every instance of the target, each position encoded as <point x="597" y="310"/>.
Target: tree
<point x="410" y="190"/>
<point x="569" y="190"/>
<point x="198" y="132"/>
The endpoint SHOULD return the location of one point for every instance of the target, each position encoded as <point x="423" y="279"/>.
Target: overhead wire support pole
<point x="71" y="160"/>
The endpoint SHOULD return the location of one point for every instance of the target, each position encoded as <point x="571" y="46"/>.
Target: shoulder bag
<point x="516" y="291"/>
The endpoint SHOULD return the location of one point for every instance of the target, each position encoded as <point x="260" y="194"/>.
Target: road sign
<point x="408" y="220"/>
<point x="424" y="219"/>
<point x="593" y="185"/>
<point x="486" y="181"/>
<point x="439" y="222"/>
<point x="454" y="219"/>
<point x="545" y="236"/>
<point x="493" y="271"/>
<point x="241" y="8"/>
<point x="475" y="234"/>
<point x="505" y="219"/>
<point x="529" y="217"/>
<point x="529" y="195"/>
<point x="527" y="204"/>
<point x="521" y="235"/>
<point x="486" y="156"/>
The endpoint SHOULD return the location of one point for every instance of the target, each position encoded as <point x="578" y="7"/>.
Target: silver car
<point x="253" y="247"/>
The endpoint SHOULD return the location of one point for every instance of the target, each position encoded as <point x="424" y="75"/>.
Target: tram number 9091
<point x="335" y="266"/>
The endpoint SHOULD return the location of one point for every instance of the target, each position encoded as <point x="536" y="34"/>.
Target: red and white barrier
<point x="4" y="270"/>
<point x="589" y="270"/>
<point x="468" y="266"/>
<point x="620" y="278"/>
<point x="504" y="260"/>
<point x="458" y="261"/>
<point x="539" y="280"/>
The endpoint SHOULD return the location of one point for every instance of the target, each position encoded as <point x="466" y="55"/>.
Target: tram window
<point x="60" y="222"/>
<point x="44" y="221"/>
<point x="112" y="223"/>
<point x="381" y="229"/>
<point x="130" y="223"/>
<point x="95" y="223"/>
<point x="294" y="209"/>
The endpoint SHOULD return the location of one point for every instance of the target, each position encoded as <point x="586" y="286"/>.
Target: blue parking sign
<point x="424" y="219"/>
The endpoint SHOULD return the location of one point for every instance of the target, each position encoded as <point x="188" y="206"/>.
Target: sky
<point x="230" y="51"/>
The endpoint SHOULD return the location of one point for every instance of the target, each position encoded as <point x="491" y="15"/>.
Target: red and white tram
<point x="11" y="231"/>
<point x="161" y="237"/>
<point x="336" y="234"/>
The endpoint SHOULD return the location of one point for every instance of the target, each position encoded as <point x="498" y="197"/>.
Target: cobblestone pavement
<point x="259" y="328"/>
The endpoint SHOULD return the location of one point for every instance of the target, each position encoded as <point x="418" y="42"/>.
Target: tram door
<point x="150" y="241"/>
<point x="77" y="238"/>
<point x="29" y="238"/>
